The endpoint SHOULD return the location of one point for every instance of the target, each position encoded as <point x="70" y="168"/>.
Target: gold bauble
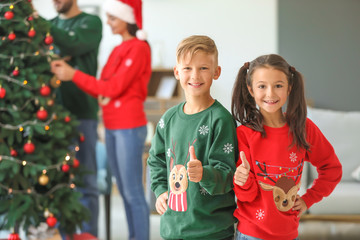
<point x="43" y="179"/>
<point x="55" y="82"/>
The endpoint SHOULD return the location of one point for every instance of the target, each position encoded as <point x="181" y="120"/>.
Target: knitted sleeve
<point x="218" y="174"/>
<point x="322" y="156"/>
<point x="249" y="191"/>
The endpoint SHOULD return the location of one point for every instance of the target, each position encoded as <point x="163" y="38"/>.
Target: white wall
<point x="242" y="30"/>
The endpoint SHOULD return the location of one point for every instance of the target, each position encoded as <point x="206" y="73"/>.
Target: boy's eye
<point x="203" y="68"/>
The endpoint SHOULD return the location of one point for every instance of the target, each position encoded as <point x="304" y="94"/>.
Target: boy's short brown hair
<point x="194" y="44"/>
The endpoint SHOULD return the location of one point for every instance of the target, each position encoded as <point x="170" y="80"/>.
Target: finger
<point x="192" y="153"/>
<point x="244" y="161"/>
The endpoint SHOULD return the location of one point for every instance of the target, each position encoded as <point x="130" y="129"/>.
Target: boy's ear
<point x="176" y="73"/>
<point x="217" y="72"/>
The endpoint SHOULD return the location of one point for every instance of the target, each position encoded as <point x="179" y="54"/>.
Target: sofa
<point x="342" y="129"/>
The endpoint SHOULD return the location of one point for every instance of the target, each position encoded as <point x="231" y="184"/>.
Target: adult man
<point x="77" y="36"/>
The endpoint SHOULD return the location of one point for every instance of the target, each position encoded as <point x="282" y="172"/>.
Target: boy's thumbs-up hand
<point x="194" y="167"/>
<point x="242" y="171"/>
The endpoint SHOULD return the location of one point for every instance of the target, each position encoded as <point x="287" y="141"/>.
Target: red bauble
<point x="11" y="36"/>
<point x="32" y="33"/>
<point x="76" y="163"/>
<point x="51" y="221"/>
<point x="9" y="15"/>
<point x="30" y="18"/>
<point x="45" y="90"/>
<point x="13" y="153"/>
<point x="16" y="72"/>
<point x="42" y="114"/>
<point x="48" y="39"/>
<point x="67" y="119"/>
<point x="29" y="147"/>
<point x="82" y="138"/>
<point x="2" y="92"/>
<point x="65" y="168"/>
<point x="13" y="236"/>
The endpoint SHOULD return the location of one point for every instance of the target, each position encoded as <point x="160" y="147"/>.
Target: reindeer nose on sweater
<point x="285" y="203"/>
<point x="177" y="184"/>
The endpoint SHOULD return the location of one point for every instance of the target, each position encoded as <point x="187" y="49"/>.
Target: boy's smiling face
<point x="196" y="73"/>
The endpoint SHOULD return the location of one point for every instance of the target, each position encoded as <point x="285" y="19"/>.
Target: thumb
<point x="192" y="153"/>
<point x="244" y="161"/>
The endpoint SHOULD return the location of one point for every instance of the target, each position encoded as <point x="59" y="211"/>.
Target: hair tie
<point x="246" y="65"/>
<point x="292" y="69"/>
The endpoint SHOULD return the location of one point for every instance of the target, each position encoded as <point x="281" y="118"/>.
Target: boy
<point x="193" y="153"/>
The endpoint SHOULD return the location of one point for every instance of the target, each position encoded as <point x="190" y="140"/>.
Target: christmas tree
<point x="38" y="168"/>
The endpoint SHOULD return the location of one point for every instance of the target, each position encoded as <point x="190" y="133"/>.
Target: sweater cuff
<point x="160" y="190"/>
<point x="78" y="75"/>
<point x="308" y="200"/>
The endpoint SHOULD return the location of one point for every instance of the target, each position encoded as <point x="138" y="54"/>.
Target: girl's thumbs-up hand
<point x="194" y="167"/>
<point x="242" y="171"/>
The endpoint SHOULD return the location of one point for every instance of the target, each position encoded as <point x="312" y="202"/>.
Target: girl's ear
<point x="217" y="72"/>
<point x="251" y="90"/>
<point x="176" y="73"/>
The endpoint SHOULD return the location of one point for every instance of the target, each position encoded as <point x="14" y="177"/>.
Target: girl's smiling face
<point x="270" y="89"/>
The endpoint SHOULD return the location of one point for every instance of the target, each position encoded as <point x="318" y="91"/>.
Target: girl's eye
<point x="279" y="86"/>
<point x="261" y="86"/>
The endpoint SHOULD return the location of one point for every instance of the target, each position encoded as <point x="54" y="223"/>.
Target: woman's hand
<point x="62" y="70"/>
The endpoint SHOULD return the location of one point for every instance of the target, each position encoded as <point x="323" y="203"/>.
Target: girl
<point x="273" y="147"/>
<point x="122" y="90"/>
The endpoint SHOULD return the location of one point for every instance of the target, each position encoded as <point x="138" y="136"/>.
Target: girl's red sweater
<point x="275" y="173"/>
<point x="124" y="81"/>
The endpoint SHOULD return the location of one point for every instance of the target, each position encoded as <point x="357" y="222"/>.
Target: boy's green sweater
<point x="79" y="38"/>
<point x="209" y="204"/>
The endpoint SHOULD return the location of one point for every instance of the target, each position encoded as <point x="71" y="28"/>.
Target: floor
<point x="309" y="230"/>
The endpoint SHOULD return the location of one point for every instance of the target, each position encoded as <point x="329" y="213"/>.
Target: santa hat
<point x="129" y="11"/>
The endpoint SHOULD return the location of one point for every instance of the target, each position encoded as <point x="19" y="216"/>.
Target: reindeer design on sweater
<point x="285" y="188"/>
<point x="178" y="181"/>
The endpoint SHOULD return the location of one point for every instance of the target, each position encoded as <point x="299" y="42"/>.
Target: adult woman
<point x="122" y="90"/>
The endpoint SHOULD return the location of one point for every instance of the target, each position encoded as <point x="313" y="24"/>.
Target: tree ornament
<point x="82" y="137"/>
<point x="50" y="102"/>
<point x="54" y="82"/>
<point x="2" y="92"/>
<point x="65" y="168"/>
<point x="45" y="90"/>
<point x="76" y="163"/>
<point x="48" y="39"/>
<point x="15" y="72"/>
<point x="32" y="32"/>
<point x="13" y="152"/>
<point x="30" y="18"/>
<point x="67" y="119"/>
<point x="9" y="15"/>
<point x="42" y="114"/>
<point x="13" y="236"/>
<point x="43" y="179"/>
<point x="29" y="147"/>
<point x="51" y="221"/>
<point x="12" y="36"/>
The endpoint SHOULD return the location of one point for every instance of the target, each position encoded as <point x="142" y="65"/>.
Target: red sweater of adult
<point x="264" y="205"/>
<point x="124" y="81"/>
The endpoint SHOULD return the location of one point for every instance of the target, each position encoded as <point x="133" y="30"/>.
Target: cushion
<point x="342" y="129"/>
<point x="343" y="200"/>
<point x="356" y="174"/>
